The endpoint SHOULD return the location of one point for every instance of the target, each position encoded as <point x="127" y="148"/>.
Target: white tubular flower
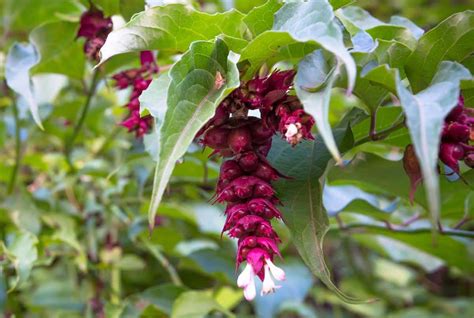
<point x="246" y="277"/>
<point x="268" y="284"/>
<point x="250" y="291"/>
<point x="276" y="271"/>
<point x="246" y="280"/>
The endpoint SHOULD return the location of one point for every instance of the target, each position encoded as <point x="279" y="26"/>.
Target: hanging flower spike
<point x="139" y="79"/>
<point x="245" y="179"/>
<point x="95" y="28"/>
<point x="457" y="133"/>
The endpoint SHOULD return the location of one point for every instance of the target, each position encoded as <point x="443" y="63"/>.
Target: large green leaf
<point x="314" y="72"/>
<point x="20" y="59"/>
<point x="301" y="197"/>
<point x="171" y="28"/>
<point x="193" y="95"/>
<point x="425" y="113"/>
<point x="451" y="40"/>
<point x="22" y="253"/>
<point x="260" y="19"/>
<point x="314" y="21"/>
<point x="59" y="51"/>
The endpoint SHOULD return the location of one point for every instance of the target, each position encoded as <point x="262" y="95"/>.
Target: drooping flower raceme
<point x="139" y="79"/>
<point x="246" y="176"/>
<point x="95" y="28"/>
<point x="458" y="132"/>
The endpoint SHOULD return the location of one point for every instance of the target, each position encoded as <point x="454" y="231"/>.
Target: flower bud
<point x="456" y="132"/>
<point x="216" y="138"/>
<point x="249" y="161"/>
<point x="230" y="170"/>
<point x="450" y="154"/>
<point x="240" y="140"/>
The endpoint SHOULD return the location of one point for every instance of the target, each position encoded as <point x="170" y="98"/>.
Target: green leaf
<point x="425" y="113"/>
<point x="110" y="7"/>
<point x="313" y="72"/>
<point x="195" y="304"/>
<point x="314" y="21"/>
<point x="170" y="29"/>
<point x="301" y="197"/>
<point x="384" y="76"/>
<point x="260" y="19"/>
<point x="59" y="50"/>
<point x="20" y="59"/>
<point x="451" y="40"/>
<point x="193" y="95"/>
<point x="22" y="252"/>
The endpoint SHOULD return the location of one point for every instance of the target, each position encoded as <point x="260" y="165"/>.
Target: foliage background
<point x="75" y="242"/>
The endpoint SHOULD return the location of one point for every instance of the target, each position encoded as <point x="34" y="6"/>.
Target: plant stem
<point x="395" y="229"/>
<point x="373" y="136"/>
<point x="165" y="263"/>
<point x="83" y="115"/>
<point x="16" y="167"/>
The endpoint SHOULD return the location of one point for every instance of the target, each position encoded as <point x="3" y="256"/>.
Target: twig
<point x="16" y="167"/>
<point x="80" y="122"/>
<point x="381" y="134"/>
<point x="362" y="226"/>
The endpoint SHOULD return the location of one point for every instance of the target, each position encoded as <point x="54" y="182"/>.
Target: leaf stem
<point x="373" y="136"/>
<point x="80" y="122"/>
<point x="16" y="167"/>
<point x="393" y="228"/>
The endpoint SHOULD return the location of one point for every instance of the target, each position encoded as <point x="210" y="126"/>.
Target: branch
<point x="374" y="136"/>
<point x="396" y="229"/>
<point x="80" y="122"/>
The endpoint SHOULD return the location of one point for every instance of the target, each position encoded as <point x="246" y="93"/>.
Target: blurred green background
<point x="78" y="245"/>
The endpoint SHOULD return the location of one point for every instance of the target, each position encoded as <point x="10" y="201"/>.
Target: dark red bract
<point x="139" y="79"/>
<point x="95" y="28"/>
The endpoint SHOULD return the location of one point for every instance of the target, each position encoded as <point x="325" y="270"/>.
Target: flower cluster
<point x="246" y="176"/>
<point x="139" y="79"/>
<point x="95" y="28"/>
<point x="458" y="131"/>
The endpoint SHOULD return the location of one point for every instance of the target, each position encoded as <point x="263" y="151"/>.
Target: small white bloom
<point x="291" y="130"/>
<point x="250" y="291"/>
<point x="246" y="277"/>
<point x="276" y="271"/>
<point x="268" y="284"/>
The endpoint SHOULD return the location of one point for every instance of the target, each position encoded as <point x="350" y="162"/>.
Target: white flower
<point x="268" y="284"/>
<point x="276" y="271"/>
<point x="291" y="130"/>
<point x="246" y="276"/>
<point x="246" y="280"/>
<point x="249" y="291"/>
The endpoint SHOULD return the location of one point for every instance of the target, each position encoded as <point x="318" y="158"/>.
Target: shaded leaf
<point x="260" y="19"/>
<point x="301" y="196"/>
